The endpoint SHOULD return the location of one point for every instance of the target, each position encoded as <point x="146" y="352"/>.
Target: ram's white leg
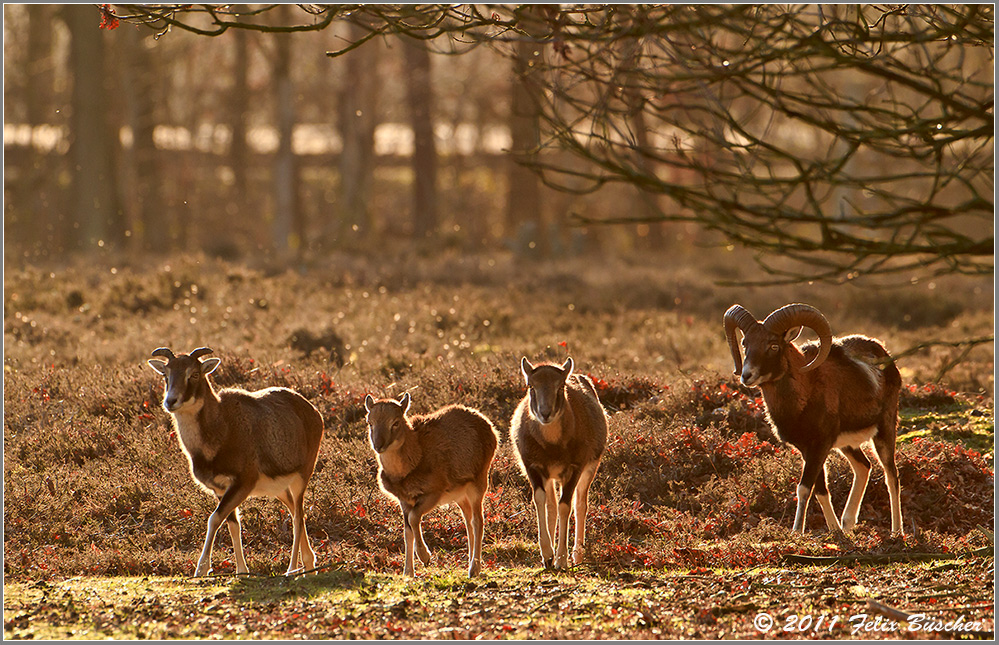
<point x="894" y="498"/>
<point x="861" y="466"/>
<point x="804" y="493"/>
<point x="827" y="511"/>
<point x="884" y="446"/>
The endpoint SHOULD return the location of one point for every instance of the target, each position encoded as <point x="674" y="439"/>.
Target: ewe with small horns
<point x="837" y="394"/>
<point x="241" y="444"/>
<point x="559" y="431"/>
<point x="432" y="460"/>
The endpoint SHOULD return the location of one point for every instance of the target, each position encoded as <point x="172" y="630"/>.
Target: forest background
<point x="363" y="198"/>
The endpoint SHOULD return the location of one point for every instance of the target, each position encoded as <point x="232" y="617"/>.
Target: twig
<point x="969" y="344"/>
<point x="951" y="364"/>
<point x="888" y="612"/>
<point x="558" y="596"/>
<point x="882" y="558"/>
<point x="981" y="605"/>
<point x="904" y="617"/>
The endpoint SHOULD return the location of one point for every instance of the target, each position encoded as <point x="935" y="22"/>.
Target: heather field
<point x="690" y="513"/>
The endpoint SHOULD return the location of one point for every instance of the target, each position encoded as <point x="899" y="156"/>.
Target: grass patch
<point x="515" y="602"/>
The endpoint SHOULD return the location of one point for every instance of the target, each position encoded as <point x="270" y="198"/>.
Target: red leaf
<point x="108" y="19"/>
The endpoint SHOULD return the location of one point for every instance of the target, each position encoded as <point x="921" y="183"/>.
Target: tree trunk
<point x="38" y="88"/>
<point x="239" y="104"/>
<point x="140" y="97"/>
<point x="424" y="159"/>
<point x="524" y="212"/>
<point x="356" y="106"/>
<point x="96" y="214"/>
<point x="39" y="215"/>
<point x="652" y="234"/>
<point x="287" y="229"/>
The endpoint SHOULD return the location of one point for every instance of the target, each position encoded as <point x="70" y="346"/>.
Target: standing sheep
<point x="836" y="394"/>
<point x="559" y="431"/>
<point x="241" y="444"/>
<point x="432" y="460"/>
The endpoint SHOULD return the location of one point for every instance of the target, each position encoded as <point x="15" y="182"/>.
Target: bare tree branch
<point x="835" y="141"/>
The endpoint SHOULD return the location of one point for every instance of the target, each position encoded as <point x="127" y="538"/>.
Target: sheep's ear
<point x="526" y="368"/>
<point x="404" y="401"/>
<point x="158" y="365"/>
<point x="567" y="367"/>
<point x="369" y="402"/>
<point x="209" y="365"/>
<point x="792" y="333"/>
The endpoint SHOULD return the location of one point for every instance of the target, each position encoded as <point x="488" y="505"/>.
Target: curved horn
<point x="201" y="351"/>
<point x="737" y="316"/>
<point x="795" y="315"/>
<point x="163" y="351"/>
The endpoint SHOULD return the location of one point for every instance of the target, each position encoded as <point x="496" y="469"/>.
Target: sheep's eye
<point x="774" y="348"/>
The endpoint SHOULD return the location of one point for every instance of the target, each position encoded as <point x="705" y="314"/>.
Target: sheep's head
<point x="387" y="423"/>
<point x="183" y="374"/>
<point x="546" y="389"/>
<point x="766" y="343"/>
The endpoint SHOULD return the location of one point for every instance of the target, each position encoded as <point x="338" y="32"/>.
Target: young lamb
<point x="242" y="444"/>
<point x="432" y="460"/>
<point x="836" y="394"/>
<point x="559" y="431"/>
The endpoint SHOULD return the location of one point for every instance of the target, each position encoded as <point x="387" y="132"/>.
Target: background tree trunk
<point x="287" y="225"/>
<point x="524" y="209"/>
<point x="238" y="109"/>
<point x="356" y="105"/>
<point x="140" y="99"/>
<point x="97" y="216"/>
<point x="424" y="159"/>
<point x="41" y="215"/>
<point x="38" y="88"/>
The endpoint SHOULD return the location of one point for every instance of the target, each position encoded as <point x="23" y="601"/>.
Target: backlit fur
<point x="559" y="431"/>
<point x="426" y="461"/>
<point x="242" y="444"/>
<point x="849" y="399"/>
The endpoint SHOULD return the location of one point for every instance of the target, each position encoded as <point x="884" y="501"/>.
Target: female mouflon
<point x="559" y="431"/>
<point x="241" y="444"/>
<point x="432" y="460"/>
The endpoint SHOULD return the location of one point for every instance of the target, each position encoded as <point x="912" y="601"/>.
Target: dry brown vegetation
<point x="693" y="482"/>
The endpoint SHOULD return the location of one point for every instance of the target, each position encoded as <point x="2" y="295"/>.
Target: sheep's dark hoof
<point x="549" y="563"/>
